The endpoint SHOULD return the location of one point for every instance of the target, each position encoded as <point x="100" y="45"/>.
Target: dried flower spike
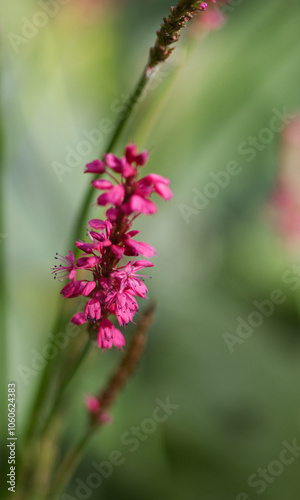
<point x="169" y="32"/>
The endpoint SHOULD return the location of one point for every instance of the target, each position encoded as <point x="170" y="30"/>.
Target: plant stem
<point x="83" y="354"/>
<point x="106" y="398"/>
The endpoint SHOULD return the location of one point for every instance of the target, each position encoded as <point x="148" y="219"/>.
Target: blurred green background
<point x="235" y="409"/>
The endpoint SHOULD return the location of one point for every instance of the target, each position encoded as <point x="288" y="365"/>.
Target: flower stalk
<point x="105" y="399"/>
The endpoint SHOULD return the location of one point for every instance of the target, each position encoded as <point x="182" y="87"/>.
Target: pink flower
<point x="129" y="279"/>
<point x="92" y="404"/>
<point x="111" y="288"/>
<point x="159" y="183"/>
<point x="135" y="248"/>
<point x="123" y="305"/>
<point x="119" y="165"/>
<point x="78" y="318"/>
<point x="138" y="203"/>
<point x="67" y="269"/>
<point x="109" y="336"/>
<point x="132" y="155"/>
<point x="92" y="310"/>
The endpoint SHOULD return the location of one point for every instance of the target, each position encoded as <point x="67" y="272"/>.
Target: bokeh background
<point x="235" y="406"/>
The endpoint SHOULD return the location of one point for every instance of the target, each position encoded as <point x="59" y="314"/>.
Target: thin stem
<point x="68" y="378"/>
<point x="106" y="398"/>
<point x="121" y="122"/>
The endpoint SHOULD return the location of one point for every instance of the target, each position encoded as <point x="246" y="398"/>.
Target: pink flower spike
<point x="102" y="184"/>
<point x="78" y="318"/>
<point x="95" y="167"/>
<point x="92" y="310"/>
<point x="92" y="404"/>
<point x="113" y="197"/>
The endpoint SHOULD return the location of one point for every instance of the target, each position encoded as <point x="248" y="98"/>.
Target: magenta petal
<point x="163" y="190"/>
<point x="95" y="167"/>
<point x="92" y="309"/>
<point x="97" y="224"/>
<point x="78" y="318"/>
<point x="102" y="184"/>
<point x="114" y="197"/>
<point x="141" y="264"/>
<point x="140" y="248"/>
<point x="117" y="251"/>
<point x="88" y="262"/>
<point x="139" y="204"/>
<point x="89" y="287"/>
<point x="118" y="338"/>
<point x="142" y="158"/>
<point x="131" y="152"/>
<point x="112" y="161"/>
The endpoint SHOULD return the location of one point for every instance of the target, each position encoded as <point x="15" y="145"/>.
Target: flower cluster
<point x="111" y="288"/>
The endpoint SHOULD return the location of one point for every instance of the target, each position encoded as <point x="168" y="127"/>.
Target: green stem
<point x="69" y="464"/>
<point x="121" y="122"/>
<point x="83" y="354"/>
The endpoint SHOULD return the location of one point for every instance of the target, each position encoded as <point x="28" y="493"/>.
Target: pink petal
<point x="97" y="224"/>
<point x="139" y="204"/>
<point x="117" y="251"/>
<point x="142" y="158"/>
<point x="89" y="287"/>
<point x="114" y="197"/>
<point x="102" y="184"/>
<point x="163" y="190"/>
<point x="95" y="167"/>
<point x="78" y="318"/>
<point x="131" y="152"/>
